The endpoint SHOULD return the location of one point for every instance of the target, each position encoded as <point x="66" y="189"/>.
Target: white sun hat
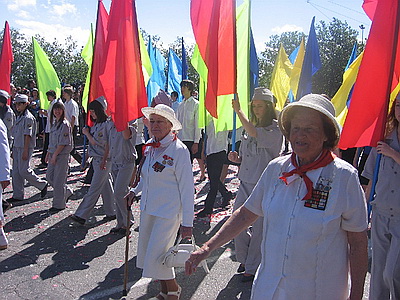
<point x="163" y="111"/>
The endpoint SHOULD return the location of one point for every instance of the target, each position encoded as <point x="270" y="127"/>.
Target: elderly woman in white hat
<point x="314" y="213"/>
<point x="167" y="201"/>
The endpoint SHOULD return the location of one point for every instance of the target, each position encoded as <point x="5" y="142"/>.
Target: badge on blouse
<point x="100" y="134"/>
<point x="158" y="167"/>
<point x="29" y="125"/>
<point x="320" y="194"/>
<point x="168" y="160"/>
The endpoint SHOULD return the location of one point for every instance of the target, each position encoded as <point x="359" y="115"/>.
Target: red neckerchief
<point x="324" y="159"/>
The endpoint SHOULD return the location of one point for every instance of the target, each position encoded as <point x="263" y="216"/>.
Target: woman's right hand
<point x="236" y="105"/>
<point x="195" y="259"/>
<point x="85" y="130"/>
<point x="234" y="157"/>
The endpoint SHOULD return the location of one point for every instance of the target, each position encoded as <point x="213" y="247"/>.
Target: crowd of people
<point x="299" y="219"/>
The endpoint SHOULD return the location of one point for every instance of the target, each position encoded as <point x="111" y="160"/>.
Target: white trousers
<point x="56" y="175"/>
<point x="156" y="236"/>
<point x="21" y="171"/>
<point x="101" y="184"/>
<point x="248" y="242"/>
<point x="122" y="174"/>
<point x="385" y="272"/>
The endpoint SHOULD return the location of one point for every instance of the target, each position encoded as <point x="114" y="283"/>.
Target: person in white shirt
<point x="72" y="114"/>
<point x="314" y="209"/>
<point x="51" y="97"/>
<point x="165" y="170"/>
<point x="216" y="148"/>
<point x="5" y="166"/>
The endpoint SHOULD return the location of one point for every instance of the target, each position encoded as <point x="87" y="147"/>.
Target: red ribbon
<point x="324" y="159"/>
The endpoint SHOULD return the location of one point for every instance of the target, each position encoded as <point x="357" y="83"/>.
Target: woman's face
<point x="93" y="114"/>
<point x="397" y="110"/>
<point x="307" y="134"/>
<point x="159" y="126"/>
<point x="259" y="108"/>
<point x="57" y="112"/>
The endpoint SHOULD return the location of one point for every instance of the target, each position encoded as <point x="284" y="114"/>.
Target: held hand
<point x="236" y="105"/>
<point x="186" y="232"/>
<point x="103" y="164"/>
<point x="130" y="197"/>
<point x="385" y="149"/>
<point x="5" y="184"/>
<point x="234" y="157"/>
<point x="25" y="154"/>
<point x="195" y="148"/>
<point x="85" y="130"/>
<point x="195" y="259"/>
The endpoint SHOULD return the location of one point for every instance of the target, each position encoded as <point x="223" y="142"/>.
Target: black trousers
<point x="75" y="153"/>
<point x="45" y="148"/>
<point x="215" y="163"/>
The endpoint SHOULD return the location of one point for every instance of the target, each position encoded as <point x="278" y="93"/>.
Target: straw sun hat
<point x="163" y="111"/>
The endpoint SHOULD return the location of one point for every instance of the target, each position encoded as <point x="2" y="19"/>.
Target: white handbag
<point x="178" y="254"/>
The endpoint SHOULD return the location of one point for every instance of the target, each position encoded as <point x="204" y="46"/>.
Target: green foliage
<point x="66" y="59"/>
<point x="336" y="41"/>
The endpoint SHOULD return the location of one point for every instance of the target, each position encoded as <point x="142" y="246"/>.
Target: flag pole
<point x="386" y="107"/>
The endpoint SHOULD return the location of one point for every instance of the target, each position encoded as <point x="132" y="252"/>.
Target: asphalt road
<point x="51" y="258"/>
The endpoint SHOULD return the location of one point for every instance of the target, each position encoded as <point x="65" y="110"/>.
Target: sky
<point x="170" y="19"/>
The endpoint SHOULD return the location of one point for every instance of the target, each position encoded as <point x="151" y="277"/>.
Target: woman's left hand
<point x="385" y="149"/>
<point x="186" y="232"/>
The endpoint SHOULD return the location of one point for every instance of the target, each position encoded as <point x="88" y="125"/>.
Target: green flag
<point x="146" y="63"/>
<point x="87" y="55"/>
<point x="46" y="76"/>
<point x="224" y="103"/>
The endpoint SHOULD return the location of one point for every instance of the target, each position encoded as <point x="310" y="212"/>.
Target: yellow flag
<point x="280" y="80"/>
<point x="296" y="72"/>
<point x="342" y="95"/>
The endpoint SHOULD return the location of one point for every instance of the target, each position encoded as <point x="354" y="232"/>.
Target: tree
<point x="336" y="41"/>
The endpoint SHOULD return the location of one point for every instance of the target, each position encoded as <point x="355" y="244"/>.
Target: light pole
<point x="362" y="27"/>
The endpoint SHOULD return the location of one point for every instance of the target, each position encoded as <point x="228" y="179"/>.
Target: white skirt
<point x="156" y="236"/>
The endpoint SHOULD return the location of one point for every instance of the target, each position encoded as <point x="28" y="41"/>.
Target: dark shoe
<point x="115" y="230"/>
<point x="3" y="247"/>
<point x="201" y="179"/>
<point x="42" y="166"/>
<point x="247" y="277"/>
<point x="109" y="218"/>
<point x="77" y="219"/>
<point x="227" y="199"/>
<point x="241" y="268"/>
<point x="55" y="210"/>
<point x="6" y="205"/>
<point x="136" y="229"/>
<point x="203" y="214"/>
<point x="14" y="200"/>
<point x="43" y="192"/>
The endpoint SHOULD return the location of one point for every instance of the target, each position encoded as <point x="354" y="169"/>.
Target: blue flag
<point x="254" y="71"/>
<point x="292" y="58"/>
<point x="184" y="63"/>
<point x="174" y="73"/>
<point x="158" y="78"/>
<point x="311" y="63"/>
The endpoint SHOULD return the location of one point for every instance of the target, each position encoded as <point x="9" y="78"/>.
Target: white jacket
<point x="166" y="182"/>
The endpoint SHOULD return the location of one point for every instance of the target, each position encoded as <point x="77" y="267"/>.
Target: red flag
<point x="99" y="55"/>
<point x="369" y="7"/>
<point x="377" y="77"/>
<point x="214" y="27"/>
<point x="6" y="58"/>
<point x="122" y="78"/>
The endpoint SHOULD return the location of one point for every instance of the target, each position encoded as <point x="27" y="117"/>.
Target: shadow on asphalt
<point x="62" y="239"/>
